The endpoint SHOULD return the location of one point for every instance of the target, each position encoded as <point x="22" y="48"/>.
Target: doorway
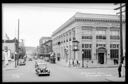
<point x="101" y="58"/>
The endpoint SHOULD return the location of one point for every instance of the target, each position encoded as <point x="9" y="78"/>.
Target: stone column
<point x="108" y="45"/>
<point x="94" y="44"/>
<point x="79" y="38"/>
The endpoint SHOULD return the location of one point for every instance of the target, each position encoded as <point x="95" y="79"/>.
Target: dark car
<point x="41" y="69"/>
<point x="22" y="62"/>
<point x="30" y="59"/>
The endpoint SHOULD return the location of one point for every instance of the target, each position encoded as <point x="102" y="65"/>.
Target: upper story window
<point x="86" y="33"/>
<point x="86" y="37"/>
<point x="101" y="34"/>
<point x="100" y="45"/>
<point x="114" y="45"/>
<point x="73" y="32"/>
<point x="86" y="45"/>
<point x="114" y="34"/>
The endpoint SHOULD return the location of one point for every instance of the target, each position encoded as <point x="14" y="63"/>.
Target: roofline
<point x="73" y="18"/>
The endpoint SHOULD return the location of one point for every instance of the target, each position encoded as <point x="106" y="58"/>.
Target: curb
<point x="116" y="79"/>
<point x="87" y="67"/>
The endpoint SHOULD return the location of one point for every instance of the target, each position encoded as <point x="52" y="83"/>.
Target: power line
<point x="120" y="7"/>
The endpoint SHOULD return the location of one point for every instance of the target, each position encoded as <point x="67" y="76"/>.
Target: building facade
<point x="12" y="45"/>
<point x="48" y="46"/>
<point x="44" y="39"/>
<point x="45" y="45"/>
<point x="98" y="36"/>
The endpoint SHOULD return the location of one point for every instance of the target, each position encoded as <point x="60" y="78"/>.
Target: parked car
<point x="41" y="69"/>
<point x="22" y="62"/>
<point x="29" y="59"/>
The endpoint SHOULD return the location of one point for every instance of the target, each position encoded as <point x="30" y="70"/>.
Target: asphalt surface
<point x="59" y="73"/>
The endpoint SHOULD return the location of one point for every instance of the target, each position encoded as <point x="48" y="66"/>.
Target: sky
<point x="38" y="20"/>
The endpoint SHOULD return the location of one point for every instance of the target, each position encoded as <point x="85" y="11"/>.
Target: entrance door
<point x="101" y="58"/>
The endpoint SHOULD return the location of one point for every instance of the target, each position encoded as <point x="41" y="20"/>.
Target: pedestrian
<point x="73" y="62"/>
<point x="119" y="69"/>
<point x="9" y="55"/>
<point x="3" y="56"/>
<point x="6" y="56"/>
<point x="16" y="57"/>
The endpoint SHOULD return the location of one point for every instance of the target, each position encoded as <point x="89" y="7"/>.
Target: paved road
<point x="59" y="73"/>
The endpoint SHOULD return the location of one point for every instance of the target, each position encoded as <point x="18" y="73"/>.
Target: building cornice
<point x="76" y="18"/>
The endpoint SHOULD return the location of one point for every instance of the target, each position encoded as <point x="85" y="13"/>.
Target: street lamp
<point x="82" y="59"/>
<point x="75" y="47"/>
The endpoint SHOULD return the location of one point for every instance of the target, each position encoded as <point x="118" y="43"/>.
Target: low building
<point x="12" y="45"/>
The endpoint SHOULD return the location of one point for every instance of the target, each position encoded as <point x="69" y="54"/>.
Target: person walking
<point x="9" y="55"/>
<point x="119" y="69"/>
<point x="3" y="57"/>
<point x="6" y="57"/>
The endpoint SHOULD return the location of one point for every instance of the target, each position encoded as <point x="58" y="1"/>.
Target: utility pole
<point x="18" y="41"/>
<point x="17" y="58"/>
<point x="121" y="40"/>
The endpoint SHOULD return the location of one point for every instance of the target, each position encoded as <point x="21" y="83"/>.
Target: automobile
<point x="30" y="59"/>
<point x="22" y="62"/>
<point x="41" y="69"/>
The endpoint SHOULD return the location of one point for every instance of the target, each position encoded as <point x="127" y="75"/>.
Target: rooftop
<point x="93" y="16"/>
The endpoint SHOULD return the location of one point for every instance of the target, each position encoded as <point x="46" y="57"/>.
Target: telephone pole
<point x="18" y="42"/>
<point x="17" y="58"/>
<point x="121" y="40"/>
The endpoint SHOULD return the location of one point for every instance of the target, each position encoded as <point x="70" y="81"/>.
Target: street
<point x="60" y="73"/>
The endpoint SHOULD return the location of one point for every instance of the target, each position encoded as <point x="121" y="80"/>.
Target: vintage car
<point x="22" y="62"/>
<point x="41" y="69"/>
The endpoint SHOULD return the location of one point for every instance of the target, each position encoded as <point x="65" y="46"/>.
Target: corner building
<point x="98" y="36"/>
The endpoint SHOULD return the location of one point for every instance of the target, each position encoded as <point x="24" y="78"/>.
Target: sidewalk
<point x="116" y="79"/>
<point x="10" y="66"/>
<point x="63" y="63"/>
<point x="109" y="78"/>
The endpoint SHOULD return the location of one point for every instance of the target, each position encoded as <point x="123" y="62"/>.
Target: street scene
<point x="63" y="43"/>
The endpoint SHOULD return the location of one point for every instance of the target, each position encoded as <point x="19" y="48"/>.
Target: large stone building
<point x="98" y="36"/>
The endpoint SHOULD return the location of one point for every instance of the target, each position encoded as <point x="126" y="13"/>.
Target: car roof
<point x="42" y="63"/>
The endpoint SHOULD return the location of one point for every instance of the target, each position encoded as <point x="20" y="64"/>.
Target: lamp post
<point x="75" y="47"/>
<point x="59" y="50"/>
<point x="82" y="59"/>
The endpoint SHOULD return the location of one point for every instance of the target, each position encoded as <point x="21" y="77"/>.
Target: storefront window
<point x="86" y="54"/>
<point x="114" y="53"/>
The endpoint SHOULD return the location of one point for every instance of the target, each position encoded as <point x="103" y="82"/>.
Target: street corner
<point x="116" y="79"/>
<point x="95" y="74"/>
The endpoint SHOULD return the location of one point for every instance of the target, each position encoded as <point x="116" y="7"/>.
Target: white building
<point x="98" y="36"/>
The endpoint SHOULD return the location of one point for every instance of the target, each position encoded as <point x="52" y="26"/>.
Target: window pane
<point x="82" y="45"/>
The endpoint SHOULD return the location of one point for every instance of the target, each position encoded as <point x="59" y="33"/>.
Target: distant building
<point x="48" y="46"/>
<point x="45" y="46"/>
<point x="10" y="44"/>
<point x="42" y="46"/>
<point x="44" y="39"/>
<point x="98" y="36"/>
